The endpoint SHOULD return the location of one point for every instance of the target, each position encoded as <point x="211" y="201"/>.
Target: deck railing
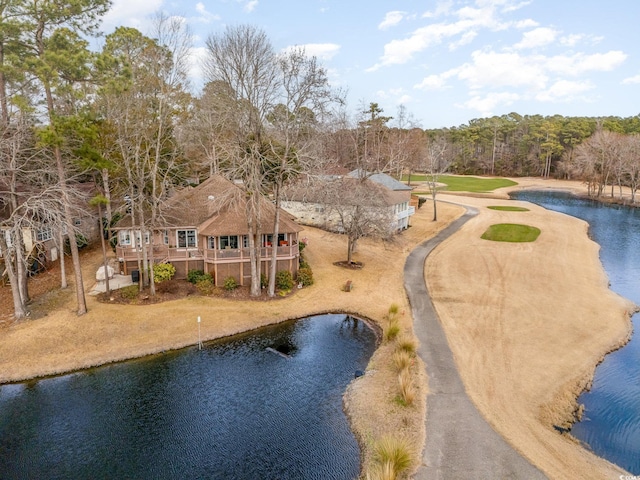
<point x="227" y="255"/>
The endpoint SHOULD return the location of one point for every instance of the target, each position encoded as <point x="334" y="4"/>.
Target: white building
<point x="315" y="204"/>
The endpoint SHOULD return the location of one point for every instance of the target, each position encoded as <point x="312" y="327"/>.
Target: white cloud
<point x="564" y="91"/>
<point x="403" y="99"/>
<point x="631" y="80"/>
<point x="248" y="5"/>
<point x="391" y="19"/>
<point x="395" y="95"/>
<point x="511" y="7"/>
<point x="130" y="13"/>
<point x="205" y="16"/>
<point x="196" y="72"/>
<point x="487" y="104"/>
<point x="401" y="51"/>
<point x="468" y="21"/>
<point x="465" y="39"/>
<point x="580" y="63"/>
<point x="442" y="8"/>
<point x="432" y="82"/>
<point x="538" y="37"/>
<point x="490" y="69"/>
<point x="323" y="51"/>
<point x="528" y="23"/>
<point x="571" y="40"/>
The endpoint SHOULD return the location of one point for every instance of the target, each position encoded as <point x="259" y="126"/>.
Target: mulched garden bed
<point x="349" y="265"/>
<point x="177" y="289"/>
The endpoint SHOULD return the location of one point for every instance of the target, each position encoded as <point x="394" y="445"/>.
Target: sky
<point x="447" y="62"/>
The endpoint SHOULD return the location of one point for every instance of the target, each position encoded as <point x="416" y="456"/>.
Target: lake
<point x="266" y="404"/>
<point x="611" y="422"/>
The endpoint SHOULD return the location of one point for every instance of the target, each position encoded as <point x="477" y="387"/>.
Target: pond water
<point x="237" y="409"/>
<point x="611" y="420"/>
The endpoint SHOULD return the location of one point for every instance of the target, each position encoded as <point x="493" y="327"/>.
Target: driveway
<point x="460" y="444"/>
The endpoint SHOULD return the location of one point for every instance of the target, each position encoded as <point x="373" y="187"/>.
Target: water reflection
<point x="232" y="410"/>
<point x="611" y="422"/>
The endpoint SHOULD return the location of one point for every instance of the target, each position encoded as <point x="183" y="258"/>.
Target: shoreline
<point x="375" y="328"/>
<point x="63" y="342"/>
<point x="119" y="333"/>
<point x="579" y="344"/>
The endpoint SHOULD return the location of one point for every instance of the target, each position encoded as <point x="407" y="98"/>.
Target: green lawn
<point x="465" y="183"/>
<point x="511" y="232"/>
<point x="507" y="208"/>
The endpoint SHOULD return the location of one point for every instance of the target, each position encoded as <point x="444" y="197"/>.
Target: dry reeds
<point x="407" y="390"/>
<point x="392" y="331"/>
<point x="402" y="360"/>
<point x="392" y="456"/>
<point x="408" y="345"/>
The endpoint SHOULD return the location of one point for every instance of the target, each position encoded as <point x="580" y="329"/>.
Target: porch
<point x="220" y="263"/>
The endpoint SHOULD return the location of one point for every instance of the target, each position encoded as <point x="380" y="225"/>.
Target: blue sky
<point x="447" y="62"/>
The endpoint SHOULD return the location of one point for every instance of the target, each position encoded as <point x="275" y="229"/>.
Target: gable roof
<point x="381" y="179"/>
<point x="218" y="207"/>
<point x="345" y="191"/>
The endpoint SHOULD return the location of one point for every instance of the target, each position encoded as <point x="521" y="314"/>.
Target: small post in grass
<point x="199" y="338"/>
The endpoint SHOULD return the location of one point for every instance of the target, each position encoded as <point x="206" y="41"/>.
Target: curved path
<point x="460" y="444"/>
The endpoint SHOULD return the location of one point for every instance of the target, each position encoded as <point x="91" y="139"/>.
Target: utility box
<point x="135" y="276"/>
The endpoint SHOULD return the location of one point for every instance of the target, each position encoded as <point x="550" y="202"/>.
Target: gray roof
<point x="382" y="179"/>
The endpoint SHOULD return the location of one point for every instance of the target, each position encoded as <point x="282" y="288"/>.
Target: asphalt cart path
<point x="460" y="444"/>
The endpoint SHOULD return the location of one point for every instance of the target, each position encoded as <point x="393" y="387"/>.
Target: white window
<point x="186" y="239"/>
<point x="165" y="237"/>
<point x="147" y="238"/>
<point x="228" y="241"/>
<point x="125" y="237"/>
<point x="43" y="235"/>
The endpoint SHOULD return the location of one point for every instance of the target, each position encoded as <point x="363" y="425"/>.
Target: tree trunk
<point x="19" y="308"/>
<point x="21" y="268"/>
<point x="435" y="204"/>
<point x="274" y="246"/>
<point x="104" y="252"/>
<point x="152" y="282"/>
<point x="62" y="179"/>
<point x="63" y="270"/>
<point x="254" y="260"/>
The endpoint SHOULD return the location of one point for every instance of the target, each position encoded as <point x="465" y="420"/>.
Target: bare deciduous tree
<point x="140" y="102"/>
<point x="436" y="163"/>
<point x="243" y="59"/>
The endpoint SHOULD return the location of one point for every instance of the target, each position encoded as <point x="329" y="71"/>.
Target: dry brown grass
<point x="62" y="342"/>
<point x="402" y="360"/>
<point x="407" y="390"/>
<point x="393" y="456"/>
<point x="527" y="324"/>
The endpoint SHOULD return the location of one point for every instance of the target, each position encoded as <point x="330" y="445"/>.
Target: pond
<point x="267" y="404"/>
<point x="611" y="422"/>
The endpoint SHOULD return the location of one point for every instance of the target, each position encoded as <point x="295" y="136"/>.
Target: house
<point x="205" y="228"/>
<point x="399" y="200"/>
<point x="39" y="235"/>
<point x="314" y="204"/>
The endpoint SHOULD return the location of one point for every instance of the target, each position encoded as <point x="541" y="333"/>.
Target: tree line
<point x="125" y="120"/>
<point x="529" y="145"/>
